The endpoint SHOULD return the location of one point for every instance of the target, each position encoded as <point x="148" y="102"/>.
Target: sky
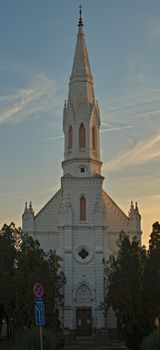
<point x="37" y="43"/>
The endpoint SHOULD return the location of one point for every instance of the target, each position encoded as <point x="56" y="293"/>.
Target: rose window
<point x="83" y="253"/>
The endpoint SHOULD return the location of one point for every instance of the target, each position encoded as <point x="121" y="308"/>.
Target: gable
<point x="117" y="220"/>
<point x="46" y="219"/>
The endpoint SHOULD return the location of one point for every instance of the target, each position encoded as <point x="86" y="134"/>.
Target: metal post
<point x="41" y="338"/>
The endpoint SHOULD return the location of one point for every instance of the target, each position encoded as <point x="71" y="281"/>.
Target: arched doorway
<point x="83" y="312"/>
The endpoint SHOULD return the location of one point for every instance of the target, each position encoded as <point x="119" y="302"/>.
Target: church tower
<point x="81" y="219"/>
<point x="81" y="119"/>
<point x="81" y="222"/>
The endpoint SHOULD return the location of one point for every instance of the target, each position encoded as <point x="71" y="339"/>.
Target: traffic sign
<point x="38" y="289"/>
<point x="39" y="300"/>
<point x="40" y="315"/>
<point x="39" y="309"/>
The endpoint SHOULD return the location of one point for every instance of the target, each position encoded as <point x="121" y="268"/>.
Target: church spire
<point x="81" y="70"/>
<point x="81" y="118"/>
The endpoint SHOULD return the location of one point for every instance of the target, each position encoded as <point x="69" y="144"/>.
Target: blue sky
<point x="37" y="42"/>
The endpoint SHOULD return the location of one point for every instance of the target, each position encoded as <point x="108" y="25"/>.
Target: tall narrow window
<point x="82" y="209"/>
<point x="82" y="136"/>
<point x="93" y="138"/>
<point x="70" y="138"/>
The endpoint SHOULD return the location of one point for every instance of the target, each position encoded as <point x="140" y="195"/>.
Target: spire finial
<point x="80" y="24"/>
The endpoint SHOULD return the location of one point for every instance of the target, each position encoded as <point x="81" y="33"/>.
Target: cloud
<point x="117" y="128"/>
<point x="139" y="99"/>
<point x="141" y="153"/>
<point x="134" y="104"/>
<point x="144" y="114"/>
<point x="44" y="139"/>
<point x="152" y="196"/>
<point x="39" y="94"/>
<point x="28" y="192"/>
<point x="153" y="31"/>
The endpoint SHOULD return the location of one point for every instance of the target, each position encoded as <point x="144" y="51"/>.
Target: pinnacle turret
<point x="28" y="218"/>
<point x="135" y="221"/>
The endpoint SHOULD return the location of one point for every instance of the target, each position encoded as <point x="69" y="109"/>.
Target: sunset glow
<point x="37" y="46"/>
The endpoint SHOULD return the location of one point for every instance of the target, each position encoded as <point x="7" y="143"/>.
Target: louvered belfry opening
<point x="70" y="138"/>
<point x="82" y="142"/>
<point x="93" y="138"/>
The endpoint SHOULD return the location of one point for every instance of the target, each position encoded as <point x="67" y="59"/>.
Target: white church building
<point x="81" y="222"/>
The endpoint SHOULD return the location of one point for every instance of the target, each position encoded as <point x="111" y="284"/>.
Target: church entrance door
<point x="84" y="322"/>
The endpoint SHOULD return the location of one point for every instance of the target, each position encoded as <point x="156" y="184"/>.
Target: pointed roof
<point x="81" y="70"/>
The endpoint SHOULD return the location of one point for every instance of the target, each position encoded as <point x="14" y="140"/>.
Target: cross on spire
<point x="80" y="24"/>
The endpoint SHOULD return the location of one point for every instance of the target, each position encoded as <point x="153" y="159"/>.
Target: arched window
<point x="82" y="136"/>
<point x="93" y="137"/>
<point x="82" y="209"/>
<point x="70" y="137"/>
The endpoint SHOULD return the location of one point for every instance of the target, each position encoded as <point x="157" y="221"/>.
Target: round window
<point x="83" y="254"/>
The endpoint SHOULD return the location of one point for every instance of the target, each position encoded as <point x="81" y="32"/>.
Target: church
<point x="81" y="222"/>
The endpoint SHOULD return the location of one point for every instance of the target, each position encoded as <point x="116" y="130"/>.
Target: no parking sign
<point x="38" y="289"/>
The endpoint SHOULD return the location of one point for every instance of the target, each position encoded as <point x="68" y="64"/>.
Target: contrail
<point x="118" y="128"/>
<point x="61" y="136"/>
<point x="43" y="140"/>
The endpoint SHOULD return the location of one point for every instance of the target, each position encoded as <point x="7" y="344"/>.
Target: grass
<point x="98" y="347"/>
<point x="10" y="346"/>
<point x="7" y="346"/>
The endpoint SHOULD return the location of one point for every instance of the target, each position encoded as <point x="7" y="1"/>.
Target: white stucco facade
<point x="82" y="241"/>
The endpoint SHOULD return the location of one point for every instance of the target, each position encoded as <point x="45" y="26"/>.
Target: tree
<point x="34" y="265"/>
<point x="23" y="263"/>
<point x="151" y="284"/>
<point x="124" y="274"/>
<point x="9" y="240"/>
<point x="152" y="342"/>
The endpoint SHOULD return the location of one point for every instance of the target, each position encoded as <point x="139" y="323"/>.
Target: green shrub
<point x="152" y="342"/>
<point x="30" y="339"/>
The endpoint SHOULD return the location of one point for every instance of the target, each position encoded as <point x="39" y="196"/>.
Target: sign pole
<point x="39" y="309"/>
<point x="41" y="338"/>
